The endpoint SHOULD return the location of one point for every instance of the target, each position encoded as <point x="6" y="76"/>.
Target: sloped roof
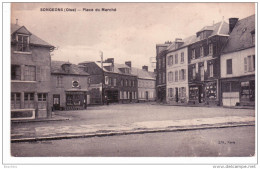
<point x="74" y="69"/>
<point x="33" y="38"/>
<point x="140" y="73"/>
<point x="186" y="42"/>
<point x="241" y="37"/>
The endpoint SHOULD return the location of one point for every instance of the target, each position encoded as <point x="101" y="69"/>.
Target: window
<point x="170" y="76"/>
<point x="28" y="100"/>
<point x="22" y="43"/>
<point x="170" y="60"/>
<point x="110" y="81"/>
<point x="202" y="73"/>
<point x="170" y="92"/>
<point x="176" y="59"/>
<point x="15" y="72"/>
<point x="59" y="81"/>
<point x="126" y="82"/>
<point x="163" y="62"/>
<point x="182" y="74"/>
<point x="133" y="83"/>
<point x="122" y="82"/>
<point x="211" y="70"/>
<point x="176" y="76"/>
<point x="210" y="49"/>
<point x="253" y="38"/>
<point x="29" y="73"/>
<point x="182" y="57"/>
<point x="194" y="72"/>
<point x="201" y="51"/>
<point x="42" y="96"/>
<point x="15" y="100"/>
<point x="114" y="83"/>
<point x="159" y="78"/>
<point x="249" y="63"/>
<point x="159" y="63"/>
<point x="229" y="66"/>
<point x="182" y="92"/>
<point x="193" y="54"/>
<point x="163" y="77"/>
<point x="106" y="80"/>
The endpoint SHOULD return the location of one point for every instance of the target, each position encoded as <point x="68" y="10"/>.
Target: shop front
<point x="196" y="94"/>
<point x="76" y="99"/>
<point x="238" y="91"/>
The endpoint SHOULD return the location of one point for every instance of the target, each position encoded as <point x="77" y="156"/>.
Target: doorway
<point x="176" y="94"/>
<point x="56" y="102"/>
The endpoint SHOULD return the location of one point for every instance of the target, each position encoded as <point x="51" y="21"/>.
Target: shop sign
<point x="75" y="83"/>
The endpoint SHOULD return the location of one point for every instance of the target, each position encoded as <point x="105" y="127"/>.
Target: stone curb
<point x="114" y="133"/>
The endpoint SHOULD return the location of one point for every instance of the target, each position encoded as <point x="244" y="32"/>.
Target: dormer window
<point x="22" y="43"/>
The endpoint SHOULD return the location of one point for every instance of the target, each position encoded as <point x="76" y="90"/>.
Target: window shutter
<point x="245" y="64"/>
<point x="184" y="76"/>
<point x="179" y="74"/>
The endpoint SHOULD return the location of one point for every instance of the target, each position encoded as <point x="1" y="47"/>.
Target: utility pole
<point x="103" y="78"/>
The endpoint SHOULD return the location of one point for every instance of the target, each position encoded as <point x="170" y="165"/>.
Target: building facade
<point x="238" y="64"/>
<point x="204" y="64"/>
<point x="69" y="86"/>
<point x="177" y="69"/>
<point x="161" y="53"/>
<point x="111" y="82"/>
<point x="146" y="84"/>
<point x="30" y="75"/>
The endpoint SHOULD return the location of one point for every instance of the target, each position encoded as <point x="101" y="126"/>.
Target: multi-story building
<point x="69" y="86"/>
<point x="204" y="64"/>
<point x="30" y="75"/>
<point x="112" y="81"/>
<point x="177" y="68"/>
<point x="238" y="64"/>
<point x="146" y="83"/>
<point x="161" y="71"/>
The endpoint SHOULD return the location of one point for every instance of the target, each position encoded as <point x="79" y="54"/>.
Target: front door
<point x="146" y="95"/>
<point x="130" y="96"/>
<point x="176" y="95"/>
<point x="56" y="102"/>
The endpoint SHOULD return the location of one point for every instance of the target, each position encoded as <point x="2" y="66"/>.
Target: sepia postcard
<point x="132" y="80"/>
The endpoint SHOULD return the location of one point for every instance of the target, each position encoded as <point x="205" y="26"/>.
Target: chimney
<point x="128" y="63"/>
<point x="16" y="22"/>
<point x="110" y="60"/>
<point x="145" y="68"/>
<point x="232" y="23"/>
<point x="178" y="39"/>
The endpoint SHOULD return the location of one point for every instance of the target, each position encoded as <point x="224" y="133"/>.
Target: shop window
<point x="211" y="90"/>
<point x="15" y="100"/>
<point x="194" y="93"/>
<point x="15" y="72"/>
<point x="248" y="91"/>
<point x="69" y="99"/>
<point x="22" y="43"/>
<point x="29" y="73"/>
<point x="229" y="66"/>
<point x="59" y="83"/>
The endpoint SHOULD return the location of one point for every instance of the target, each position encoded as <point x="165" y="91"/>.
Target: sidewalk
<point x="77" y="131"/>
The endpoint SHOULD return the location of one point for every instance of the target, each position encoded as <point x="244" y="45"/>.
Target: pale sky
<point x="128" y="34"/>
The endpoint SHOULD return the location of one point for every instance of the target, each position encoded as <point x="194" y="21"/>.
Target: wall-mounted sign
<point x="75" y="83"/>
